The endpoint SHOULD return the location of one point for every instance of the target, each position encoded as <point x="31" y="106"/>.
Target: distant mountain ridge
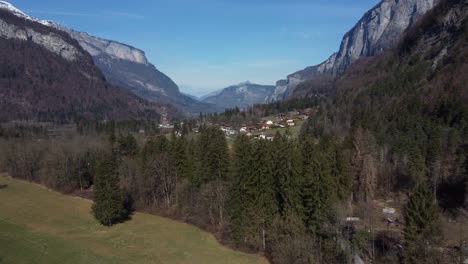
<point x="127" y="67"/>
<point x="240" y="95"/>
<point x="378" y="30"/>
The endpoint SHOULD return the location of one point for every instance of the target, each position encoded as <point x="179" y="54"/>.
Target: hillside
<point x="241" y="95"/>
<point x="47" y="76"/>
<point x="413" y="102"/>
<point x="52" y="227"/>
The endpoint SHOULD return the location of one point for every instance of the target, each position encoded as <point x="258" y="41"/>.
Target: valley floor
<point x="38" y="225"/>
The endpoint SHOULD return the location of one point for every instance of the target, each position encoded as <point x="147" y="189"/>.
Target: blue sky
<point x="205" y="45"/>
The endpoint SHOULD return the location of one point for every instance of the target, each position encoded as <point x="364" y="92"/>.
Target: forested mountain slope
<point x="46" y="76"/>
<point x="411" y="105"/>
<point x="241" y="95"/>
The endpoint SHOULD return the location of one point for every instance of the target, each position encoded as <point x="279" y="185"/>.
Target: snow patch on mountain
<point x="11" y="8"/>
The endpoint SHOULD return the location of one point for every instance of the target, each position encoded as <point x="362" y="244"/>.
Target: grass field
<point x="41" y="226"/>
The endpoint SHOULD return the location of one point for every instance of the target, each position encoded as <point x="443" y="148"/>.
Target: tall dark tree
<point x="214" y="167"/>
<point x="421" y="229"/>
<point x="108" y="201"/>
<point x="127" y="145"/>
<point x="262" y="192"/>
<point x="319" y="188"/>
<point x="159" y="144"/>
<point x="178" y="151"/>
<point x="286" y="173"/>
<point x="341" y="171"/>
<point x="240" y="200"/>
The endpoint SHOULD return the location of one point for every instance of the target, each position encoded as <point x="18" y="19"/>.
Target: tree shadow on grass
<point x="3" y="186"/>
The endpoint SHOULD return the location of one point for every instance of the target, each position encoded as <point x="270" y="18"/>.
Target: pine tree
<point x="341" y="172"/>
<point x="179" y="155"/>
<point x="157" y="145"/>
<point x="318" y="186"/>
<point x="240" y="202"/>
<point x="417" y="170"/>
<point x="127" y="145"/>
<point x="108" y="207"/>
<point x="420" y="229"/>
<point x="261" y="190"/>
<point x="253" y="204"/>
<point x="213" y="154"/>
<point x="214" y="167"/>
<point x="286" y="162"/>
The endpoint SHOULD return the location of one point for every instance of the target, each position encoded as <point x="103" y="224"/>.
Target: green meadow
<point x="38" y="225"/>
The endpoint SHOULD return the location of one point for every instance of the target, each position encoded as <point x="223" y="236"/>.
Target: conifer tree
<point x="341" y="172"/>
<point x="127" y="145"/>
<point x="240" y="201"/>
<point x="179" y="155"/>
<point x="108" y="207"/>
<point x="286" y="175"/>
<point x="157" y="145"/>
<point x="421" y="228"/>
<point x="262" y="190"/>
<point x="318" y="186"/>
<point x="213" y="154"/>
<point x="214" y="167"/>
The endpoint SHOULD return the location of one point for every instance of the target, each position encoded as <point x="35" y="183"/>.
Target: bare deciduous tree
<point x="161" y="168"/>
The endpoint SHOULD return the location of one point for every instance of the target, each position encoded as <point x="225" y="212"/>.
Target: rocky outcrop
<point x="51" y="41"/>
<point x="379" y="29"/>
<point x="97" y="46"/>
<point x="241" y="95"/>
<point x="128" y="67"/>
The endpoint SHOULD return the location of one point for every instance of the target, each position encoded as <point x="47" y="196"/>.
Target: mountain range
<point x="378" y="30"/>
<point x="126" y="67"/>
<point x="240" y="95"/>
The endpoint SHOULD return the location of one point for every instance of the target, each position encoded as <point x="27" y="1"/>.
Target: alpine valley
<point x="362" y="158"/>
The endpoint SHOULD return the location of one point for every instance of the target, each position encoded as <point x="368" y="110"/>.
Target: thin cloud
<point x="88" y="14"/>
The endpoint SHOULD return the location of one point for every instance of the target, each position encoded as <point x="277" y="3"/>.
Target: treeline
<point x="85" y="127"/>
<point x="64" y="165"/>
<point x="288" y="197"/>
<point x="257" y="195"/>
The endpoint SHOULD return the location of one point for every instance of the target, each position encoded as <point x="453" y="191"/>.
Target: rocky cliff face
<point x="97" y="46"/>
<point x="378" y="30"/>
<point x="128" y="67"/>
<point x="241" y="95"/>
<point x="53" y="41"/>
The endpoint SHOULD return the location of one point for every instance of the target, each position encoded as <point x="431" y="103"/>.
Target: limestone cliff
<point x="378" y="30"/>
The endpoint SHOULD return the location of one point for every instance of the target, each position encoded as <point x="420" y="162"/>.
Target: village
<point x="266" y="128"/>
<point x="270" y="125"/>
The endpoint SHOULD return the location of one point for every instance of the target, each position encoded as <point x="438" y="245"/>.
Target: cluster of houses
<point x="260" y="130"/>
